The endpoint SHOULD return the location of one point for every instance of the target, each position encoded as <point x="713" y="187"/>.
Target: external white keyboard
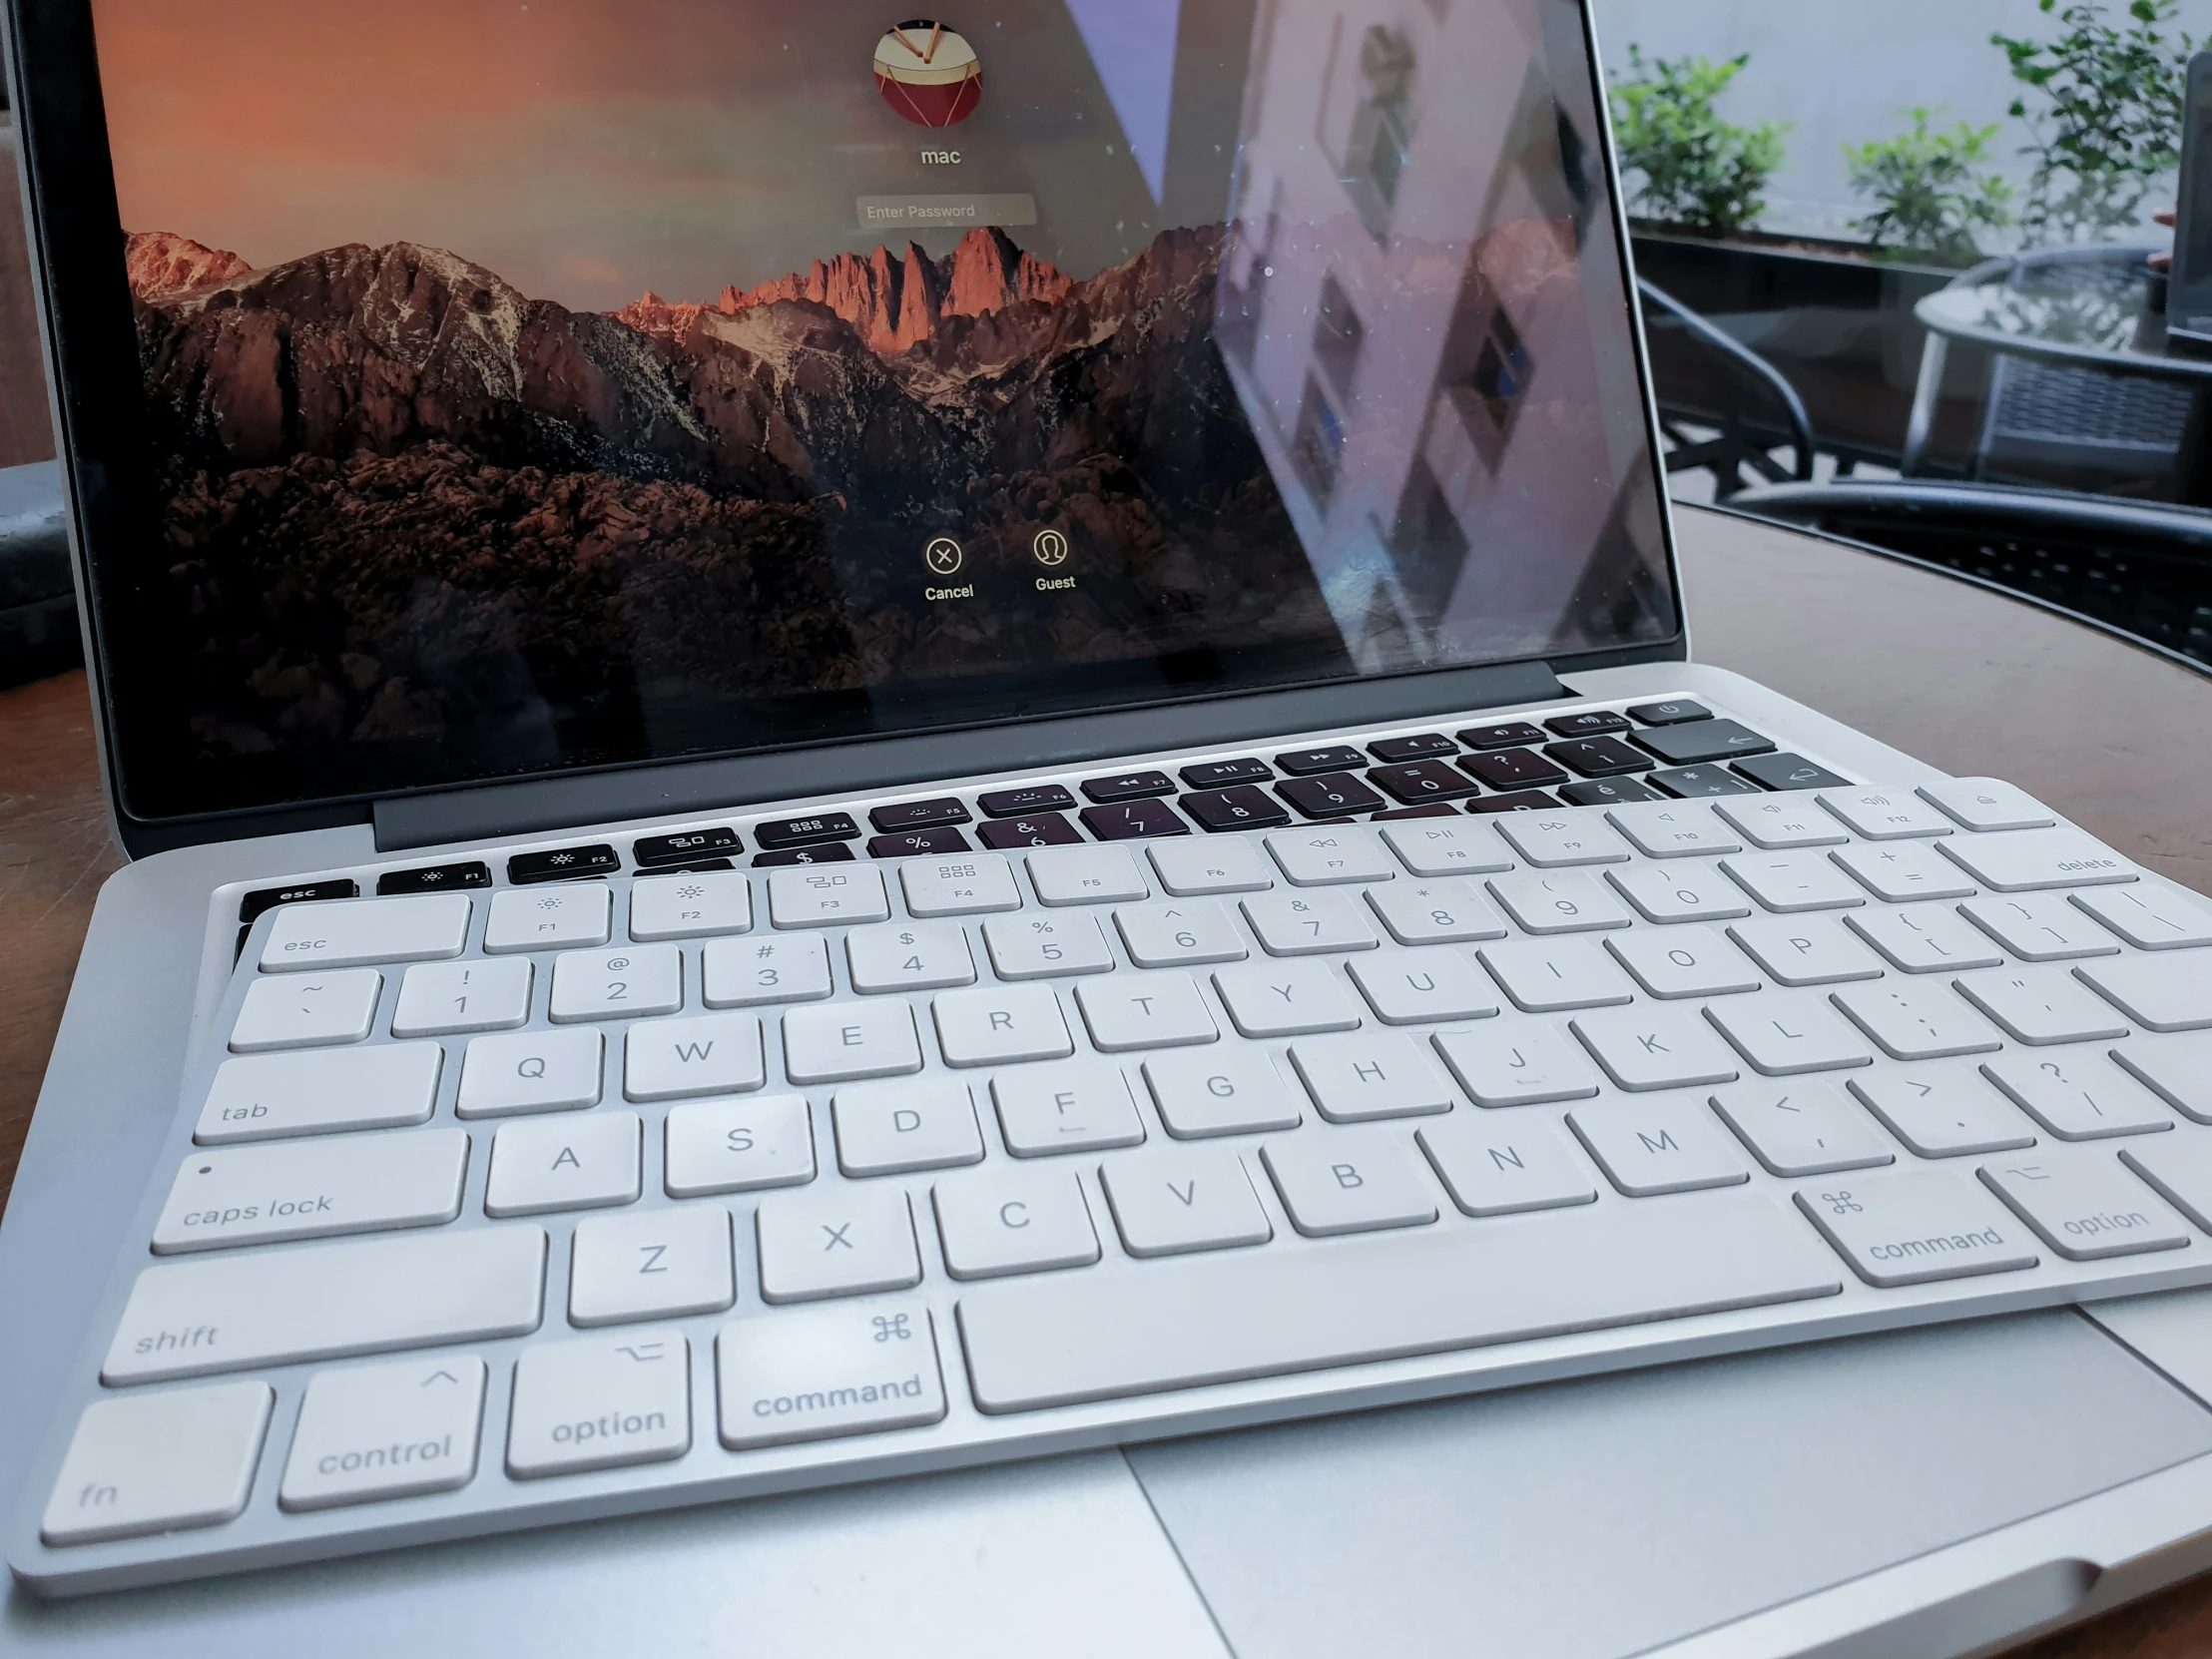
<point x="540" y="1202"/>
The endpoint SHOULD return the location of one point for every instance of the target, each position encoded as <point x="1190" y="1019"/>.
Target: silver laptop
<point x="868" y="747"/>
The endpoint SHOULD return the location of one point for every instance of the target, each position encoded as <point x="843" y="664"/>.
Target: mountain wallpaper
<point x="405" y="501"/>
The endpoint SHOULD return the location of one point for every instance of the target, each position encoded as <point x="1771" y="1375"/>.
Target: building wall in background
<point x="1845" y="73"/>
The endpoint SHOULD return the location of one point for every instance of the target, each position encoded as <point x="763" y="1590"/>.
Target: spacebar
<point x="1154" y="1326"/>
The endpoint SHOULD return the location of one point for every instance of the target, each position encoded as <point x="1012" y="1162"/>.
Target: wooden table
<point x="1963" y="677"/>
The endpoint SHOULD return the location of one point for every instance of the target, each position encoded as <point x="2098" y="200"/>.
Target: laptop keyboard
<point x="962" y="1127"/>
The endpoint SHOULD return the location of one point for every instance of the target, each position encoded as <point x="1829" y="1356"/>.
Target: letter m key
<point x="1664" y="1142"/>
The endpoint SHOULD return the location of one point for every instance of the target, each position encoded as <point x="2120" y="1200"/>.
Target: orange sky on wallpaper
<point x="584" y="149"/>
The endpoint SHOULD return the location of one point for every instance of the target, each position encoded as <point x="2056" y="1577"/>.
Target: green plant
<point x="1931" y="191"/>
<point x="1698" y="171"/>
<point x="2107" y="124"/>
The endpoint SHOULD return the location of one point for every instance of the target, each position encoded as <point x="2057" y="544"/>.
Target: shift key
<point x="370" y="1295"/>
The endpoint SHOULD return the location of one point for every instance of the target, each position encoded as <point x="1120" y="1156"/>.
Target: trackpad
<point x="1605" y="1516"/>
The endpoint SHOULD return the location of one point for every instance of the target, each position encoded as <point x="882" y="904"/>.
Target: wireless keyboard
<point x="553" y="1183"/>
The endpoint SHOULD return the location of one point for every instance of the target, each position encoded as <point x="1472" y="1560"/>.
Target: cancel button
<point x="805" y="1376"/>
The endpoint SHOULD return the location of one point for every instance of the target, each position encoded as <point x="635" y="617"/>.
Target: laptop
<point x="922" y="838"/>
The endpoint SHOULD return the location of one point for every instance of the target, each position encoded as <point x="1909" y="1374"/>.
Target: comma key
<point x="1909" y="1229"/>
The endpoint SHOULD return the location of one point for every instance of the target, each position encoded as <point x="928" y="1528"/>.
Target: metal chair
<point x="1704" y="377"/>
<point x="2142" y="568"/>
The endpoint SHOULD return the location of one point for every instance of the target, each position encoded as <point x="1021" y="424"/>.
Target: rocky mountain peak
<point x="162" y="263"/>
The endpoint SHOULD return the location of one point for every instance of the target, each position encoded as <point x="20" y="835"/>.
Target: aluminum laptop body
<point x="956" y="583"/>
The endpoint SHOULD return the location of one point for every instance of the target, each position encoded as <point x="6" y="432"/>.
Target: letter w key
<point x="670" y="1060"/>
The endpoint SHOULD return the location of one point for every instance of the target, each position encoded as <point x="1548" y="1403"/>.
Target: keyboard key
<point x="1452" y="846"/>
<point x="1694" y="782"/>
<point x="1925" y="938"/>
<point x="1781" y="826"/>
<point x="2178" y="1071"/>
<point x="157" y="1463"/>
<point x="1683" y="961"/>
<point x="1801" y="1129"/>
<point x="1517" y="1065"/>
<point x="531" y="1071"/>
<point x="1942" y="1112"/>
<point x="1550" y="841"/>
<point x="1002" y="1221"/>
<point x="1308" y="923"/>
<point x="303" y="1010"/>
<point x="825" y="853"/>
<point x="1650" y="1148"/>
<point x="1354" y="1182"/>
<point x="2150" y="916"/>
<point x="1646" y="1047"/>
<point x="1001" y="1025"/>
<point x="546" y="920"/>
<point x="1172" y="1202"/>
<point x="313" y="1189"/>
<point x="1219" y="774"/>
<point x="1370" y="1074"/>
<point x="1790" y="883"/>
<point x="685" y="846"/>
<point x="1513" y="733"/>
<point x="1304" y="762"/>
<point x="806" y="832"/>
<point x="1916" y="1020"/>
<point x="1025" y="803"/>
<point x="1589" y="723"/>
<point x="1240" y="808"/>
<point x="349" y="932"/>
<point x="1285" y="1000"/>
<point x="1551" y="975"/>
<point x="1223" y="1091"/>
<point x="1668" y="829"/>
<point x="1886" y="814"/>
<point x="846" y="1041"/>
<point x="804" y="898"/>
<point x="1082" y="1106"/>
<point x="739" y="1146"/>
<point x="835" y="1241"/>
<point x="1326" y="857"/>
<point x="1805" y="950"/>
<point x="1902" y="872"/>
<point x="2038" y="926"/>
<point x="694" y="906"/>
<point x="600" y="1402"/>
<point x="575" y="1162"/>
<point x="917" y="844"/>
<point x="827" y="1371"/>
<point x="1987" y="803"/>
<point x="1674" y="711"/>
<point x="2087" y="1212"/>
<point x="1085" y="875"/>
<point x="1042" y="830"/>
<point x="472" y="872"/>
<point x="324" y="1301"/>
<point x="892" y="1128"/>
<point x="1415" y="747"/>
<point x="1787" y="771"/>
<point x="321" y="1092"/>
<point x="909" y="956"/>
<point x="2029" y="860"/>
<point x="654" y="1264"/>
<point x="1132" y="821"/>
<point x="2078" y="1096"/>
<point x="958" y="887"/>
<point x="1704" y="739"/>
<point x="1598" y="756"/>
<point x="1180" y="935"/>
<point x="1128" y="786"/>
<point x="567" y="863"/>
<point x="676" y="1059"/>
<point x="257" y="904"/>
<point x="1676" y="893"/>
<point x="2179" y="1169"/>
<point x="631" y="980"/>
<point x="1909" y="1228"/>
<point x="1032" y="1343"/>
<point x="1563" y="902"/>
<point x="1333" y="794"/>
<point x="1785" y="1033"/>
<point x="752" y="973"/>
<point x="1513" y="768"/>
<point x="1503" y="1166"/>
<point x="1421" y="781"/>
<point x="918" y="814"/>
<point x="1044" y="947"/>
<point x="1452" y="910"/>
<point x="2162" y="993"/>
<point x="2039" y="1005"/>
<point x="1406" y="987"/>
<point x="1607" y="792"/>
<point x="1517" y="801"/>
<point x="1151" y="1010"/>
<point x="1189" y="868"/>
<point x="372" y="1432"/>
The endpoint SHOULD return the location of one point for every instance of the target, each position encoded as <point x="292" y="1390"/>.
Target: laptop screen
<point x="532" y="386"/>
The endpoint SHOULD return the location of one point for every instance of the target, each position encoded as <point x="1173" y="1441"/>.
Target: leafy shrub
<point x="1931" y="191"/>
<point x="2108" y="119"/>
<point x="1699" y="171"/>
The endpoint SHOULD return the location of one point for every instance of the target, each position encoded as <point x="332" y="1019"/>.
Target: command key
<point x="806" y="1374"/>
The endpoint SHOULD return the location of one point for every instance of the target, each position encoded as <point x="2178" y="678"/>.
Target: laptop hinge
<point x="549" y="803"/>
